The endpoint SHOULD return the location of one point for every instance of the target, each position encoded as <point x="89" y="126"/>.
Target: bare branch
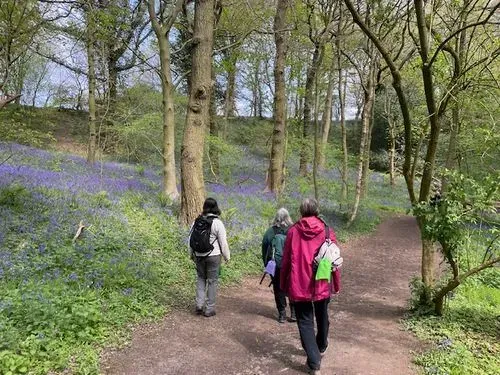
<point x="456" y="32"/>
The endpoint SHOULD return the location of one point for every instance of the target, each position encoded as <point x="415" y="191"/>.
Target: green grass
<point x="465" y="340"/>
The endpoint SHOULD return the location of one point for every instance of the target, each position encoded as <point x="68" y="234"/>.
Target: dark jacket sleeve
<point x="266" y="241"/>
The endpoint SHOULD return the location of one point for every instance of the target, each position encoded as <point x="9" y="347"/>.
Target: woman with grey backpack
<point x="207" y="244"/>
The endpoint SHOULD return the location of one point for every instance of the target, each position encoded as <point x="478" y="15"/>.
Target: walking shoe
<point x="209" y="314"/>
<point x="198" y="311"/>
<point x="282" y="317"/>
<point x="322" y="351"/>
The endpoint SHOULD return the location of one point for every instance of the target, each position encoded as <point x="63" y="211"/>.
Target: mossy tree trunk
<point x="197" y="117"/>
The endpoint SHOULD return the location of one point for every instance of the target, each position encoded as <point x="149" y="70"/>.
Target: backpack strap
<point x="327" y="228"/>
<point x="216" y="236"/>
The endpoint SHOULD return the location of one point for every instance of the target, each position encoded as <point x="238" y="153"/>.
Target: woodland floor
<point x="244" y="337"/>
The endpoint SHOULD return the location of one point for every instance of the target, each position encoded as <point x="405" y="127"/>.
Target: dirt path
<point x="245" y="339"/>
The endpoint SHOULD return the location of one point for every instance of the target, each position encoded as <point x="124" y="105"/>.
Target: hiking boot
<point x="293" y="318"/>
<point x="198" y="311"/>
<point x="282" y="317"/>
<point x="209" y="314"/>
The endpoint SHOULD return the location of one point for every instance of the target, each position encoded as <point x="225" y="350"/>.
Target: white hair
<point x="282" y="218"/>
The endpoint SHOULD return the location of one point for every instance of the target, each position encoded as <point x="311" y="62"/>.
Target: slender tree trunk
<point x="345" y="154"/>
<point x="366" y="116"/>
<point x="213" y="149"/>
<point x="108" y="134"/>
<point x="327" y="115"/>
<point x="316" y="139"/>
<point x="38" y="84"/>
<point x="342" y="88"/>
<point x="229" y="104"/>
<point x="305" y="155"/>
<point x="392" y="138"/>
<point x="260" y="104"/>
<point x="430" y="157"/>
<point x="169" y="177"/>
<point x="91" y="151"/>
<point x="392" y="151"/>
<point x="277" y="160"/>
<point x="193" y="187"/>
<point x="162" y="34"/>
<point x="229" y="99"/>
<point x="451" y="154"/>
<point x="366" y="157"/>
<point x="113" y="80"/>
<point x="299" y="100"/>
<point x="255" y="91"/>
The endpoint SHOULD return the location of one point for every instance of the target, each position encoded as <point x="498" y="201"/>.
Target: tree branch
<point x="456" y="32"/>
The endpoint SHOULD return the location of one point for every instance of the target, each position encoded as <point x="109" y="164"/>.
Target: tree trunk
<point x="299" y="100"/>
<point x="342" y="88"/>
<point x="229" y="104"/>
<point x="366" y="117"/>
<point x="213" y="148"/>
<point x="392" y="138"/>
<point x="451" y="154"/>
<point x="392" y="151"/>
<point x="316" y="139"/>
<point x="327" y="116"/>
<point x="108" y="134"/>
<point x="255" y="91"/>
<point x="162" y="35"/>
<point x="345" y="154"/>
<point x="260" y="104"/>
<point x="91" y="151"/>
<point x="366" y="158"/>
<point x="229" y="99"/>
<point x="277" y="160"/>
<point x="427" y="265"/>
<point x="197" y="117"/>
<point x="169" y="177"/>
<point x="312" y="70"/>
<point x="435" y="123"/>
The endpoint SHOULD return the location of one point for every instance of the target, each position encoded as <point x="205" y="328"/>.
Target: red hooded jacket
<point x="302" y="242"/>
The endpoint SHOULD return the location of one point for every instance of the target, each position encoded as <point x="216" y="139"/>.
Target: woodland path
<point x="244" y="337"/>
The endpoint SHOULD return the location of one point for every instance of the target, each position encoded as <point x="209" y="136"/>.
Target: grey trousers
<point x="207" y="269"/>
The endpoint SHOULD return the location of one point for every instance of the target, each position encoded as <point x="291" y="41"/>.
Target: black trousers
<point x="313" y="343"/>
<point x="280" y="295"/>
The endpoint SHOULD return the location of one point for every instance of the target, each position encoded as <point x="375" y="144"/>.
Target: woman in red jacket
<point x="310" y="297"/>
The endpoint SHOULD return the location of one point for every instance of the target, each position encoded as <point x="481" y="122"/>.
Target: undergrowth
<point x="465" y="340"/>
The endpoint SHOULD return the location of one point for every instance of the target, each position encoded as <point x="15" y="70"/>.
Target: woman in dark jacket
<point x="280" y="225"/>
